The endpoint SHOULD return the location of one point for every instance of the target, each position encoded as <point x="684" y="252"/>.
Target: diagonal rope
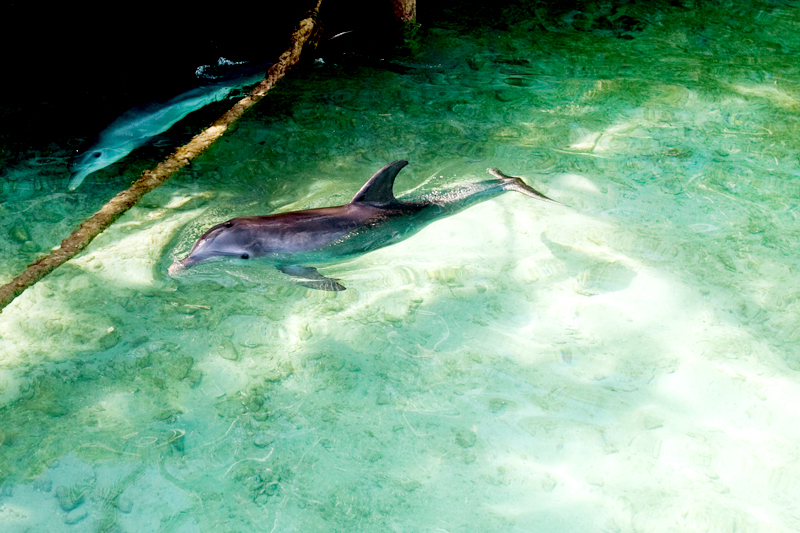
<point x="150" y="179"/>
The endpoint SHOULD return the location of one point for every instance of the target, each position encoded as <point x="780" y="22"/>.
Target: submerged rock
<point x="75" y="516"/>
<point x="110" y="339"/>
<point x="70" y="497"/>
<point x="19" y="233"/>
<point x="262" y="439"/>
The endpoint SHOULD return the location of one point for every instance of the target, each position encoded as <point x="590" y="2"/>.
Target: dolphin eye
<point x="245" y="256"/>
<point x="96" y="154"/>
<point x="228" y="224"/>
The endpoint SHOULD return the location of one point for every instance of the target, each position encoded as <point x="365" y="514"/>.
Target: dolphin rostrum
<point x="374" y="218"/>
<point x="136" y="126"/>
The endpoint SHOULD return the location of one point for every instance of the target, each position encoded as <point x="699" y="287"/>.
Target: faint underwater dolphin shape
<point x="136" y="126"/>
<point x="374" y="218"/>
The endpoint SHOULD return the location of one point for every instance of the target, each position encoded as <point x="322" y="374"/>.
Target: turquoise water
<point x="628" y="363"/>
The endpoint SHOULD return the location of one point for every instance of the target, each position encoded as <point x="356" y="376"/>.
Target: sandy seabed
<point x="624" y="364"/>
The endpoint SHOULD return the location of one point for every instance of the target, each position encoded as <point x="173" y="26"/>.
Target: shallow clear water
<point x="626" y="364"/>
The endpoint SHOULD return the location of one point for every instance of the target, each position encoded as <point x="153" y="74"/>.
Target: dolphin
<point x="374" y="218"/>
<point x="138" y="125"/>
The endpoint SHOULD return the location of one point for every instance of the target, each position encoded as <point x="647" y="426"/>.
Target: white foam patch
<point x="576" y="181"/>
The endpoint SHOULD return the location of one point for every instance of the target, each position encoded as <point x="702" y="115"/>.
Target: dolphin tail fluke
<point x="311" y="278"/>
<point x="516" y="184"/>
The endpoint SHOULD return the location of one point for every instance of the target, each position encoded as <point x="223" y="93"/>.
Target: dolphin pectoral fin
<point x="516" y="184"/>
<point x="311" y="278"/>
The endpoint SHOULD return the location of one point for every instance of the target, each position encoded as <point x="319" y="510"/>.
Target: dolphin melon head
<point x="222" y="240"/>
<point x="92" y="160"/>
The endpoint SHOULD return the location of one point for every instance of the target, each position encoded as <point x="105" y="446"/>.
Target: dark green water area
<point x="625" y="364"/>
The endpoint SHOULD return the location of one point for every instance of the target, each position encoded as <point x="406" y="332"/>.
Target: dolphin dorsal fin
<point x="379" y="187"/>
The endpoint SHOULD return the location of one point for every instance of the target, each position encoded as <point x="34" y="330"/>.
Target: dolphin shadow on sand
<point x="374" y="218"/>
